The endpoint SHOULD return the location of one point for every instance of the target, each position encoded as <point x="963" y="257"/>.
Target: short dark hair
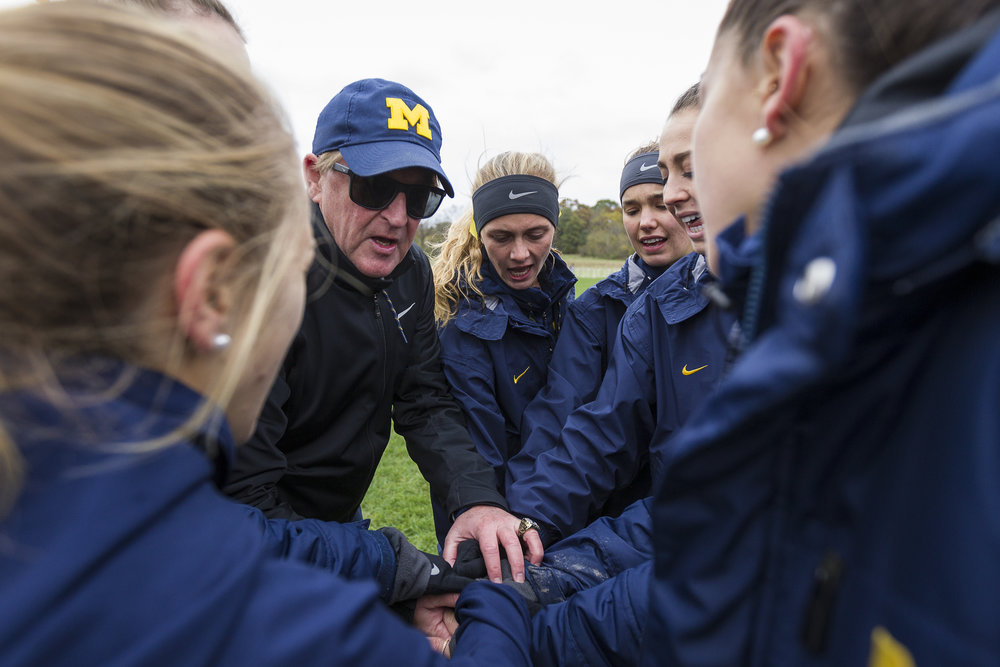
<point x="868" y="36"/>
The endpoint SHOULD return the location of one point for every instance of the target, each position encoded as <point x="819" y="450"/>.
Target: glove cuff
<point x="413" y="570"/>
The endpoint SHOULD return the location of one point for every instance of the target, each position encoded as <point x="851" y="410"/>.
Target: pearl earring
<point x="762" y="136"/>
<point x="221" y="341"/>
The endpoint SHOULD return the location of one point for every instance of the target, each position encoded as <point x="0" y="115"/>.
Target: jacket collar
<point x="636" y="275"/>
<point x="108" y="404"/>
<point x="555" y="280"/>
<point x="488" y="319"/>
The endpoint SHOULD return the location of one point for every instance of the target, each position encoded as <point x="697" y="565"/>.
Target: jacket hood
<point x="103" y="397"/>
<point x="864" y="240"/>
<point x="632" y="277"/>
<point x="488" y="319"/>
<point x="870" y="220"/>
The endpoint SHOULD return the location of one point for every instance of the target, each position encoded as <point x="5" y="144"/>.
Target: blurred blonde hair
<point x="121" y="139"/>
<point x="459" y="261"/>
<point x="325" y="161"/>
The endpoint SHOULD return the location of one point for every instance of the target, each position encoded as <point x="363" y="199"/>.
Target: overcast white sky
<point x="582" y="82"/>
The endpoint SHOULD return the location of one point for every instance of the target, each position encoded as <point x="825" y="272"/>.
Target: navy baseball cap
<point x="381" y="126"/>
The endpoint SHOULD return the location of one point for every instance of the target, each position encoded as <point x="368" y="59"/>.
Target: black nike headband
<point x="519" y="193"/>
<point x="640" y="169"/>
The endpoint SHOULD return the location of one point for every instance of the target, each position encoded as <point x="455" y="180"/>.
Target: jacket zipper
<point x="385" y="373"/>
<point x="826" y="583"/>
<point x="385" y="344"/>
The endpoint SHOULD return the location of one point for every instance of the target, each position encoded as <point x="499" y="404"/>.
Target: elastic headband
<point x="519" y="193"/>
<point x="640" y="169"/>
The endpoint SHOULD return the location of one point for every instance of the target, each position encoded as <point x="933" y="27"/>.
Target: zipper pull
<point x="826" y="582"/>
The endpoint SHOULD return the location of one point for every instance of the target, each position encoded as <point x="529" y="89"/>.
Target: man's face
<point x="375" y="241"/>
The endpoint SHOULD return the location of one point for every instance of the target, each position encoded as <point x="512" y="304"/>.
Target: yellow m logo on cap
<point x="403" y="117"/>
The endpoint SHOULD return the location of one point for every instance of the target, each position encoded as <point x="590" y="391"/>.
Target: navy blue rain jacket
<point x="115" y="556"/>
<point x="583" y="352"/>
<point x="671" y="353"/>
<point x="838" y="498"/>
<point x="595" y="585"/>
<point x="596" y="582"/>
<point x="496" y="352"/>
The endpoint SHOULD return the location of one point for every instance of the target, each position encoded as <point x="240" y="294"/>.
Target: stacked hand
<point x="419" y="573"/>
<point x="492" y="528"/>
<point x="435" y="617"/>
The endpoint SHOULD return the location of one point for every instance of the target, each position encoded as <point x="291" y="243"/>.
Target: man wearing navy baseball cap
<point x="366" y="358"/>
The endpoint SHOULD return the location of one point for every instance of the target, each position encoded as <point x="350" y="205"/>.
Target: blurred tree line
<point x="593" y="231"/>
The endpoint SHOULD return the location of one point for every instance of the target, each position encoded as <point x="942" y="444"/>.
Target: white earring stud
<point x="762" y="136"/>
<point x="221" y="341"/>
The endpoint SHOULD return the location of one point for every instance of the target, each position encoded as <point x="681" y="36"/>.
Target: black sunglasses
<point x="377" y="192"/>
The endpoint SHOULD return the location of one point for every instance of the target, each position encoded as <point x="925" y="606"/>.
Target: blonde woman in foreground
<point x="153" y="243"/>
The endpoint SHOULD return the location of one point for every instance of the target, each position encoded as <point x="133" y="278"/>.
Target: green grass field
<point x="399" y="494"/>
<point x="584" y="283"/>
<point x="581" y="262"/>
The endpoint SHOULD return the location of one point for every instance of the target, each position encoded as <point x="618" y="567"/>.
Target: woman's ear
<point x="203" y="298"/>
<point x="784" y="51"/>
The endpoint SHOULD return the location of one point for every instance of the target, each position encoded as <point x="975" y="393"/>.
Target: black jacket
<point x="365" y="357"/>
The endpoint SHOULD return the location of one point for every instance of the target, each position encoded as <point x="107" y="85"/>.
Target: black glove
<point x="525" y="588"/>
<point x="470" y="563"/>
<point x="419" y="573"/>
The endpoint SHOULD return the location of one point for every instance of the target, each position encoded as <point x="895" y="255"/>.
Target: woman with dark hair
<point x="835" y="500"/>
<point x="591" y="451"/>
<point x="590" y="333"/>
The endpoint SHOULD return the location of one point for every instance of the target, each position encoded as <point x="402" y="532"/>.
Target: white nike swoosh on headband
<point x="521" y="194"/>
<point x="646" y="167"/>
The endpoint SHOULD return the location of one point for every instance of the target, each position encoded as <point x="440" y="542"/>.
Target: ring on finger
<point x="526" y="525"/>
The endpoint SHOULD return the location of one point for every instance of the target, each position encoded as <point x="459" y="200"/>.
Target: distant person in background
<point x="501" y="298"/>
<point x="593" y="586"/>
<point x="671" y="352"/>
<point x="129" y="374"/>
<point x="590" y="331"/>
<point x="366" y="358"/>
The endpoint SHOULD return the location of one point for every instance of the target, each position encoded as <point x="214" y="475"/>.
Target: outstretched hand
<point x="493" y="527"/>
<point x="434" y="615"/>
